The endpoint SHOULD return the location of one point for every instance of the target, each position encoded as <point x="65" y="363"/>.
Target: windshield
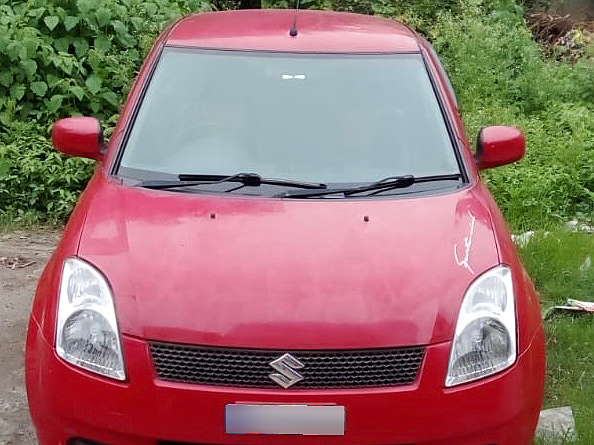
<point x="323" y="118"/>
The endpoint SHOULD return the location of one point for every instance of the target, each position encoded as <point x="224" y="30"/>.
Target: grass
<point x="571" y="371"/>
<point x="502" y="77"/>
<point x="554" y="262"/>
<point x="26" y="221"/>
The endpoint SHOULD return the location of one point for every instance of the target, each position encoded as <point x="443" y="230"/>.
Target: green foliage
<point x="61" y="58"/>
<point x="557" y="263"/>
<point x="501" y="78"/>
<point x="65" y="57"/>
<point x="493" y="57"/>
<point x="555" y="180"/>
<point x="570" y="379"/>
<point x="418" y="13"/>
<point x="37" y="184"/>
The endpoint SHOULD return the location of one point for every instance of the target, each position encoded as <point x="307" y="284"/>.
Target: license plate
<point x="285" y="419"/>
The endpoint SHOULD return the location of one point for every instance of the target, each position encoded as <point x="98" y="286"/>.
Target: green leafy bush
<point x="502" y="78"/>
<point x="36" y="182"/>
<point x="420" y="14"/>
<point x="62" y="57"/>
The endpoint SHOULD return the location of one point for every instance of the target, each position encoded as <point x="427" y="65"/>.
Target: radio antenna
<point x="293" y="32"/>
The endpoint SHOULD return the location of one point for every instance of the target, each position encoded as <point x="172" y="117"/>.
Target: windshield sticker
<point x="467" y="244"/>
<point x="294" y="76"/>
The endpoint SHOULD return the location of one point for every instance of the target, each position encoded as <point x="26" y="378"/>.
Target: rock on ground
<point x="557" y="423"/>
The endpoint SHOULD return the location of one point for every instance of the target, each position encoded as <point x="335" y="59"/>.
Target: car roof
<point x="268" y="30"/>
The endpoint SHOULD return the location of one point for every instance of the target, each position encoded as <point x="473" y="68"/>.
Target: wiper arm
<point x="385" y="184"/>
<point x="246" y="179"/>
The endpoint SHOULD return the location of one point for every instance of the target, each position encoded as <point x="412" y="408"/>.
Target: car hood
<point x="287" y="274"/>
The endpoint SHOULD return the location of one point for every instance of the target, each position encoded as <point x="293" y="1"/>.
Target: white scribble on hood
<point x="467" y="245"/>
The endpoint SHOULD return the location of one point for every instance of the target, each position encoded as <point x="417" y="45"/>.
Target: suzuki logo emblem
<point x="286" y="366"/>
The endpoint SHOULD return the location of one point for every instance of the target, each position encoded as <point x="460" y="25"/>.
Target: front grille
<point x="322" y="369"/>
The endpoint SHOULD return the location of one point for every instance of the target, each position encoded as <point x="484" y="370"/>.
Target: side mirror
<point x="499" y="146"/>
<point x="78" y="136"/>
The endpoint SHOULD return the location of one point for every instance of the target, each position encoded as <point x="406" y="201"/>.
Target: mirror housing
<point x="78" y="136"/>
<point x="499" y="146"/>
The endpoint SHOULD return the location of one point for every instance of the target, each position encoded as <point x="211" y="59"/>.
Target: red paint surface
<point x="66" y="402"/>
<point x="311" y="272"/>
<point x="284" y="274"/>
<point x="269" y="30"/>
<point x="78" y="136"/>
<point x="500" y="146"/>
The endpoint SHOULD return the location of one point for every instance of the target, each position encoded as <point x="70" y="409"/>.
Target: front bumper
<point x="68" y="403"/>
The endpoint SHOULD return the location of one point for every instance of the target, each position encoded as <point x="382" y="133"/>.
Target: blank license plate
<point x="285" y="419"/>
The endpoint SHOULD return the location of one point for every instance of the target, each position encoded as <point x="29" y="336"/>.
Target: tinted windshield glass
<point x="326" y="118"/>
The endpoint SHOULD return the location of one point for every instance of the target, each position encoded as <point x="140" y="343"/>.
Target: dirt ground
<point x="23" y="256"/>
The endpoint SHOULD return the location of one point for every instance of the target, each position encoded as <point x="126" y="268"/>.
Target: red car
<point x="286" y="242"/>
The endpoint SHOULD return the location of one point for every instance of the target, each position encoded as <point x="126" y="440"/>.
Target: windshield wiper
<point x="246" y="179"/>
<point x="389" y="183"/>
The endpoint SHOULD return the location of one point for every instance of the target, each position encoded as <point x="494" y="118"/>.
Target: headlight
<point x="485" y="340"/>
<point x="87" y="332"/>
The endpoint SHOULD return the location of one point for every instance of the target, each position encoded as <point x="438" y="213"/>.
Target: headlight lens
<point x="485" y="340"/>
<point x="87" y="333"/>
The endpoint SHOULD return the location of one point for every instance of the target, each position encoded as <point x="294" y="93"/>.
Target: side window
<point x="442" y="71"/>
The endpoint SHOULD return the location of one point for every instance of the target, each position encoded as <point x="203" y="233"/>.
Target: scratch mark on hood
<point x="467" y="245"/>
